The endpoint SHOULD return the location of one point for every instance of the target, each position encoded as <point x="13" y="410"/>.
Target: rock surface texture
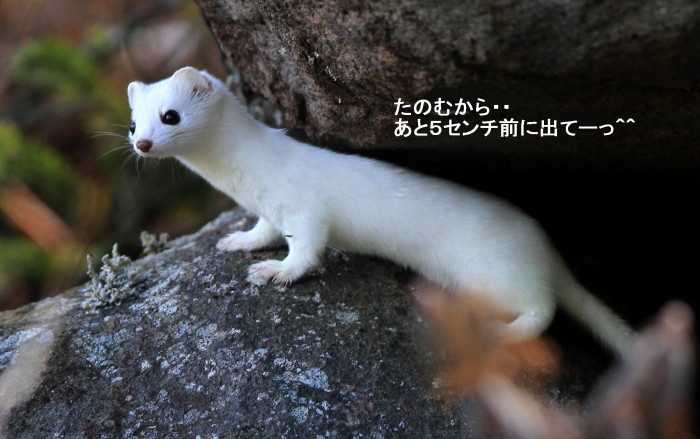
<point x="179" y="344"/>
<point x="197" y="351"/>
<point x="335" y="68"/>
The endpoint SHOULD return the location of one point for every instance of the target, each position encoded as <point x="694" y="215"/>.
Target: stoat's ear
<point x="133" y="90"/>
<point x="199" y="83"/>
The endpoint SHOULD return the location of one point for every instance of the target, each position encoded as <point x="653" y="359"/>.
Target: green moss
<point x="56" y="65"/>
<point x="70" y="73"/>
<point x="20" y="258"/>
<point x="40" y="167"/>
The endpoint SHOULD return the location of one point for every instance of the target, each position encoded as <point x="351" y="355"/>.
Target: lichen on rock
<point x="112" y="285"/>
<point x="153" y="243"/>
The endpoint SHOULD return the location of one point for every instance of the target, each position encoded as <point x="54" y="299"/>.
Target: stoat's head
<point x="172" y="116"/>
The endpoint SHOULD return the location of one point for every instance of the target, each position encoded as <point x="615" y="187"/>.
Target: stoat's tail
<point x="594" y="315"/>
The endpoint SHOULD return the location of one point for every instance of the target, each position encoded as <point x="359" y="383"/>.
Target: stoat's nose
<point x="144" y="145"/>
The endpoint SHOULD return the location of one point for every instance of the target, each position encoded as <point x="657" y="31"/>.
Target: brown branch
<point x="34" y="218"/>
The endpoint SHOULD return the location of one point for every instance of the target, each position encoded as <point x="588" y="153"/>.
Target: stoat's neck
<point x="234" y="152"/>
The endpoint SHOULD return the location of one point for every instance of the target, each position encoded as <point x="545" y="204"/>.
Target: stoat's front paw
<point x="236" y="241"/>
<point x="270" y="270"/>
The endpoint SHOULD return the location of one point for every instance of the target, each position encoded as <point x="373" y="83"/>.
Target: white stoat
<point x="459" y="238"/>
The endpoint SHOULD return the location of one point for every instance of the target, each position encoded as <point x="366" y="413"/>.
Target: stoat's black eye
<point x="171" y="117"/>
<point x="132" y="127"/>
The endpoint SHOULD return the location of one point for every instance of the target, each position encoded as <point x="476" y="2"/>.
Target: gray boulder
<point x="179" y="344"/>
<point x="191" y="349"/>
<point x="335" y="68"/>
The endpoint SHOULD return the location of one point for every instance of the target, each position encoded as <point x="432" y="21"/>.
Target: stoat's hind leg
<point x="485" y="315"/>
<point x="528" y="323"/>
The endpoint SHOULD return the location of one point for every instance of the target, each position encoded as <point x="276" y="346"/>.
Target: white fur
<point x="462" y="239"/>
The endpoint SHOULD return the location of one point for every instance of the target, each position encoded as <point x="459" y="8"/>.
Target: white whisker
<point x="118" y="148"/>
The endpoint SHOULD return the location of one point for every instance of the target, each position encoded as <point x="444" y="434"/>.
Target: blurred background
<point x="69" y="183"/>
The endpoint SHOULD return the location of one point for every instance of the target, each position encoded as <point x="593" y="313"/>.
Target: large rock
<point x="194" y="350"/>
<point x="335" y="68"/>
<point x="179" y="344"/>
